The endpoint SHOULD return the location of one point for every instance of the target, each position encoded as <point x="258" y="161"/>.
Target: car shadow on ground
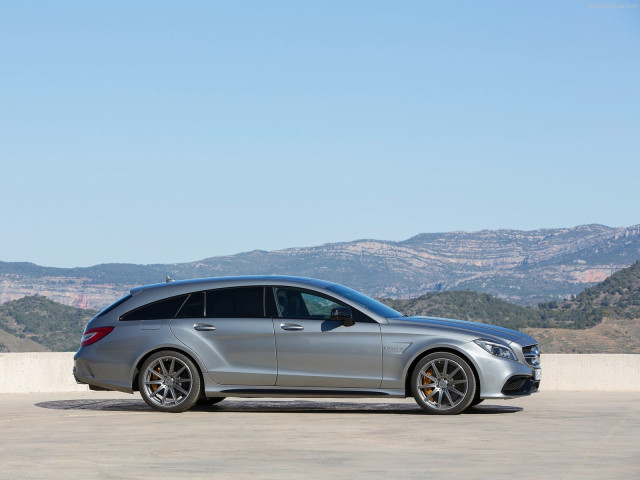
<point x="266" y="406"/>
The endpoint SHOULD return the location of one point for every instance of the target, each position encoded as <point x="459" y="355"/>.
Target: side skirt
<point x="239" y="391"/>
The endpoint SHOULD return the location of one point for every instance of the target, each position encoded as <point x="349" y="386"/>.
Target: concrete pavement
<point x="552" y="435"/>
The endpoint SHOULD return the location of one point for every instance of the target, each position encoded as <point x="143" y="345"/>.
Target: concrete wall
<point x="613" y="372"/>
<point x="38" y="372"/>
<point x="51" y="372"/>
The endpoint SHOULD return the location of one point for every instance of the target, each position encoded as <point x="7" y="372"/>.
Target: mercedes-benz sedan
<point x="264" y="336"/>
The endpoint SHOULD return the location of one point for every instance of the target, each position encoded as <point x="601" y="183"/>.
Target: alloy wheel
<point x="168" y="381"/>
<point x="443" y="383"/>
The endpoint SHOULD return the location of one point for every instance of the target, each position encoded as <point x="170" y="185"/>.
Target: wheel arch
<point x="435" y="349"/>
<point x="190" y="356"/>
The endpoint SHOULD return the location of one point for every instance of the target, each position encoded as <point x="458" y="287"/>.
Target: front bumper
<point x="503" y="378"/>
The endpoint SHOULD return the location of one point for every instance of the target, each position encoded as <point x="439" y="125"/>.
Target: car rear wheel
<point x="443" y="384"/>
<point x="169" y="382"/>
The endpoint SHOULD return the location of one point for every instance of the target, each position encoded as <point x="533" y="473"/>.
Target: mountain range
<point x="522" y="267"/>
<point x="604" y="318"/>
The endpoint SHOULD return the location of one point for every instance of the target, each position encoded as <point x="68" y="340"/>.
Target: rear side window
<point x="166" y="308"/>
<point x="235" y="303"/>
<point x="193" y="307"/>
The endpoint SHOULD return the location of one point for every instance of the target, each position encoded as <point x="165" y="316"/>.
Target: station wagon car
<point x="265" y="336"/>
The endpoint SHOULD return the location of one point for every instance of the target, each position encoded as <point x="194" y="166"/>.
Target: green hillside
<point x="468" y="305"/>
<point x="37" y="319"/>
<point x="617" y="296"/>
<point x="11" y="343"/>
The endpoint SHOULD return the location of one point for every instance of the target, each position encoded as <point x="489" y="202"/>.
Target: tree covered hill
<point x="468" y="305"/>
<point x="55" y="326"/>
<point x="617" y="296"/>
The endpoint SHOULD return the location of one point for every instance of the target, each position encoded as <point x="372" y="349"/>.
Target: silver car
<point x="267" y="336"/>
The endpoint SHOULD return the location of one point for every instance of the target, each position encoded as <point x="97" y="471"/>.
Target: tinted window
<point x="294" y="303"/>
<point x="270" y="308"/>
<point x="193" y="307"/>
<point x="162" y="309"/>
<point x="235" y="303"/>
<point x="297" y="303"/>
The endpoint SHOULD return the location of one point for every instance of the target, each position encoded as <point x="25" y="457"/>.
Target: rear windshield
<point x="114" y="305"/>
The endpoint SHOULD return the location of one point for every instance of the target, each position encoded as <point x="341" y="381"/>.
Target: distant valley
<point x="522" y="267"/>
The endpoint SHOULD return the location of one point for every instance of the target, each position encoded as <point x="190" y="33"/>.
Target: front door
<point x="315" y="351"/>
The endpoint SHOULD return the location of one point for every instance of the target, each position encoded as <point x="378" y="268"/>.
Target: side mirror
<point x="343" y="314"/>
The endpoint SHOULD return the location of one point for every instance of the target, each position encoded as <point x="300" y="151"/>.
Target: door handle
<point x="203" y="327"/>
<point x="291" y="326"/>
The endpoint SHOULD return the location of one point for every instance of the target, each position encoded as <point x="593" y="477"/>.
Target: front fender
<point x="403" y="345"/>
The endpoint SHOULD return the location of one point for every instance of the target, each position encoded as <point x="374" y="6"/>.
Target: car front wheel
<point x="169" y="382"/>
<point x="443" y="384"/>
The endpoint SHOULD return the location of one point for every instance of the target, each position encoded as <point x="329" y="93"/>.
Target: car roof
<point x="159" y="291"/>
<point x="183" y="286"/>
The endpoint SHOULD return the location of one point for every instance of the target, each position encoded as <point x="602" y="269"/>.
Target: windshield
<point x="364" y="301"/>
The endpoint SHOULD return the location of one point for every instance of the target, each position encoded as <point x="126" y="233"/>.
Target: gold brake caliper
<point x="426" y="381"/>
<point x="154" y="387"/>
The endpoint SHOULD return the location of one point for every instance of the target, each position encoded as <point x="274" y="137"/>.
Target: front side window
<point x="296" y="303"/>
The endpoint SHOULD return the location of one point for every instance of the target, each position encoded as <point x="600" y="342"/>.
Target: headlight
<point x="496" y="349"/>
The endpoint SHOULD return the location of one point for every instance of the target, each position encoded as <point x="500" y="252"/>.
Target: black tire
<point x="443" y="384"/>
<point x="208" y="401"/>
<point x="476" y="401"/>
<point x="169" y="382"/>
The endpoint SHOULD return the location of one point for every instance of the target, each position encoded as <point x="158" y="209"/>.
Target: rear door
<point x="315" y="351"/>
<point x="229" y="331"/>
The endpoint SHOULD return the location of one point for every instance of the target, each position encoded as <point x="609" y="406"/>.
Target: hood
<point x="477" y="330"/>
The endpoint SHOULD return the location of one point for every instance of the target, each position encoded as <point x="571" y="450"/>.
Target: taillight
<point x="92" y="336"/>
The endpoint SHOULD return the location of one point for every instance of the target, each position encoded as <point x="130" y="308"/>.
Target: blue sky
<point x="156" y="132"/>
